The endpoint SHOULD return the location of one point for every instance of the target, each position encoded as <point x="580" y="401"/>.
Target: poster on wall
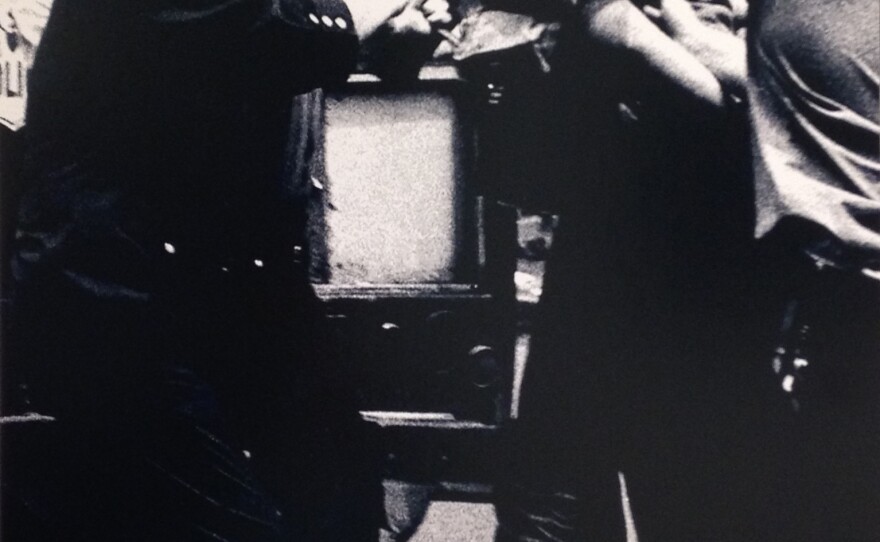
<point x="22" y="23"/>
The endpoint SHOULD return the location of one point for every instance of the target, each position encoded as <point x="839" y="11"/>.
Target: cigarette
<point x="449" y="36"/>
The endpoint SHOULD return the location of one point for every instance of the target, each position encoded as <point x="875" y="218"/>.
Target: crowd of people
<point x="709" y="327"/>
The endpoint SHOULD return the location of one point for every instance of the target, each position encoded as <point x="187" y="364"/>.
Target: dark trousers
<point x="215" y="411"/>
<point x="716" y="442"/>
<point x="643" y="366"/>
<point x="819" y="448"/>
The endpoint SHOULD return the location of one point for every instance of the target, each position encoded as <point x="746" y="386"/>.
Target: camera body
<point x="414" y="267"/>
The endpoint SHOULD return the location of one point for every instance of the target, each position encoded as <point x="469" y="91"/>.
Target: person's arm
<point x="290" y="46"/>
<point x="723" y="53"/>
<point x="370" y="15"/>
<point x="620" y="24"/>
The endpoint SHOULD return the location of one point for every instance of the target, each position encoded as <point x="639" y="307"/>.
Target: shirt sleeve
<point x="296" y="44"/>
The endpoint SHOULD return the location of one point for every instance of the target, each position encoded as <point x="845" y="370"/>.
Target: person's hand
<point x="421" y="17"/>
<point x="675" y="17"/>
<point x="7" y="17"/>
<point x="722" y="52"/>
<point x="370" y="15"/>
<point x="437" y="12"/>
<point x="399" y="50"/>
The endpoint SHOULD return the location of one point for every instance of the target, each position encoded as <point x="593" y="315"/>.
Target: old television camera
<point x="414" y="265"/>
<point x="415" y="268"/>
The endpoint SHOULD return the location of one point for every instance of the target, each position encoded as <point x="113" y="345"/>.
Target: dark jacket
<point x="159" y="313"/>
<point x="166" y="122"/>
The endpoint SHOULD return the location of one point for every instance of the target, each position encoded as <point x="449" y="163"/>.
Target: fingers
<point x="437" y="12"/>
<point x="653" y="13"/>
<point x="422" y="17"/>
<point x="410" y="21"/>
<point x="675" y="17"/>
<point x="678" y="9"/>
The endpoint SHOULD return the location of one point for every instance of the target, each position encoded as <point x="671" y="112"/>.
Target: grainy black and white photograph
<point x="440" y="270"/>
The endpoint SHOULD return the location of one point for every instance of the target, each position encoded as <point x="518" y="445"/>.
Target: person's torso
<point x="815" y="99"/>
<point x="142" y="137"/>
